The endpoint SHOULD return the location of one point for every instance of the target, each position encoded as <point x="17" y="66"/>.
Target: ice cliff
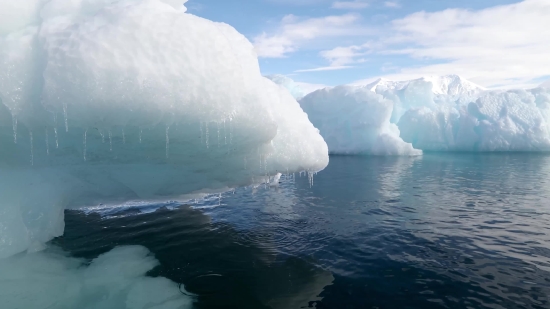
<point x="110" y="101"/>
<point x="436" y="113"/>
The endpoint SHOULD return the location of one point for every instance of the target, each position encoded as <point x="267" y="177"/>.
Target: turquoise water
<point x="438" y="231"/>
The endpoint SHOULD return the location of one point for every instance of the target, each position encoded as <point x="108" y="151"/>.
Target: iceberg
<point x="355" y="120"/>
<point x="434" y="113"/>
<point x="114" y="101"/>
<point x="515" y="120"/>
<point x="116" y="279"/>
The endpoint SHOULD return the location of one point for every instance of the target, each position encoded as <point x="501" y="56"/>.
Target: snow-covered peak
<point x="546" y="84"/>
<point x="443" y="85"/>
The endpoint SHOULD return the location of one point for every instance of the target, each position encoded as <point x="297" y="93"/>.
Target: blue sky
<point x="495" y="43"/>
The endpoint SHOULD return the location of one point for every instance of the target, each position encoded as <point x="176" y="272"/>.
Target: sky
<point x="494" y="43"/>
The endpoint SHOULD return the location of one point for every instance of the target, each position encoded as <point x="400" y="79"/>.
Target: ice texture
<point x="110" y="101"/>
<point x="435" y="113"/>
<point x="514" y="120"/>
<point x="116" y="279"/>
<point x="355" y="120"/>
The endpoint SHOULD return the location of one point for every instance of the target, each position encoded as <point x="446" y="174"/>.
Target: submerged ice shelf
<point x="106" y="102"/>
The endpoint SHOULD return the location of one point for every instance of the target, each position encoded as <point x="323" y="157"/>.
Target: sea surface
<point x="437" y="231"/>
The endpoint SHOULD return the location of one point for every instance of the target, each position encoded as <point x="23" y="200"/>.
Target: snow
<point x="355" y="120"/>
<point x="546" y="84"/>
<point x="132" y="100"/>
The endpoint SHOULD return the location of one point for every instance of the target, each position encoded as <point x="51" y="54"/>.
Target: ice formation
<point x="515" y="120"/>
<point x="110" y="101"/>
<point x="115" y="279"/>
<point x="437" y="113"/>
<point x="355" y="120"/>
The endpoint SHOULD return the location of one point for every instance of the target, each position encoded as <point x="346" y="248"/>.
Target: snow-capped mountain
<point x="452" y="85"/>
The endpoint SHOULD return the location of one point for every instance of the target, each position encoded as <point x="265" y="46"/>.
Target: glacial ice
<point x="514" y="120"/>
<point x="355" y="120"/>
<point x="116" y="279"/>
<point x="436" y="113"/>
<point x="112" y="101"/>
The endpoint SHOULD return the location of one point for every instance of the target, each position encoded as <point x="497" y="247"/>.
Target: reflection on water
<point x="438" y="231"/>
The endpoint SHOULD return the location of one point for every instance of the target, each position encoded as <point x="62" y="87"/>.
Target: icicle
<point x="110" y="141"/>
<point x="32" y="149"/>
<point x="167" y="142"/>
<point x="47" y="143"/>
<point x="84" y="142"/>
<point x="123" y="136"/>
<point x="102" y="136"/>
<point x="207" y="134"/>
<point x="224" y="133"/>
<point x="14" y="124"/>
<point x="201" y="132"/>
<point x="65" y="114"/>
<point x="56" y="138"/>
<point x="140" y="133"/>
<point x="218" y="125"/>
<point x="230" y="131"/>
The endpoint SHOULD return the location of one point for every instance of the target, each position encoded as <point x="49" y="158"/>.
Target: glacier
<point x="433" y="113"/>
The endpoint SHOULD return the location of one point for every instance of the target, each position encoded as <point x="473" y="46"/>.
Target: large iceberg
<point x="515" y="120"/>
<point x="435" y="113"/>
<point x="355" y="120"/>
<point x="111" y="101"/>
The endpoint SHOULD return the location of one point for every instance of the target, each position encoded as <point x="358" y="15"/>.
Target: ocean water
<point x="437" y="231"/>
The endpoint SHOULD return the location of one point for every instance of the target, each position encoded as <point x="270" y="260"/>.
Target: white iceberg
<point x="115" y="279"/>
<point x="515" y="120"/>
<point x="111" y="101"/>
<point x="355" y="120"/>
<point x="436" y="113"/>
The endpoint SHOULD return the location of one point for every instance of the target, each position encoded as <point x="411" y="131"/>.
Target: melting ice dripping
<point x="84" y="142"/>
<point x="167" y="142"/>
<point x="14" y="124"/>
<point x="32" y="150"/>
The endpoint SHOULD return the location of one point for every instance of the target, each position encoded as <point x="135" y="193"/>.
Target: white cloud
<point x="350" y="5"/>
<point x="392" y="4"/>
<point x="497" y="46"/>
<point x="329" y="68"/>
<point x="294" y="32"/>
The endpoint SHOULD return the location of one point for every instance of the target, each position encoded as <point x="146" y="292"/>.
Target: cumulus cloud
<point x="496" y="47"/>
<point x="293" y="32"/>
